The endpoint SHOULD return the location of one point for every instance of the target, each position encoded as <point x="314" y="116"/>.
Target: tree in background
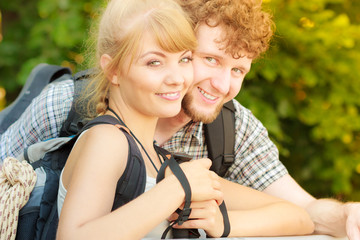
<point x="306" y="90"/>
<point x="307" y="93"/>
<point x="37" y="31"/>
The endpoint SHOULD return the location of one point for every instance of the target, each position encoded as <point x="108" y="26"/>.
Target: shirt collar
<point x="194" y="130"/>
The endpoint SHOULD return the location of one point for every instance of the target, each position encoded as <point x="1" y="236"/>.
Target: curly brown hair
<point x="246" y="26"/>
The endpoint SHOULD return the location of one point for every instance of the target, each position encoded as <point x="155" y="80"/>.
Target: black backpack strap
<point x="104" y="119"/>
<point x="225" y="219"/>
<point x="185" y="213"/>
<point x="221" y="130"/>
<point x="75" y="121"/>
<point x="40" y="76"/>
<point x="59" y="158"/>
<point x="132" y="182"/>
<point x="169" y="161"/>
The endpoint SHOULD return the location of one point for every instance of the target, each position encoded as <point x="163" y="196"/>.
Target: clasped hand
<point x="205" y="200"/>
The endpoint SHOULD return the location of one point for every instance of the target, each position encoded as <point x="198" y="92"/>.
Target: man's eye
<point x="237" y="70"/>
<point x="153" y="63"/>
<point x="186" y="60"/>
<point x="211" y="59"/>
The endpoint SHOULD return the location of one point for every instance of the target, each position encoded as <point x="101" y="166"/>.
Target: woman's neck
<point x="142" y="126"/>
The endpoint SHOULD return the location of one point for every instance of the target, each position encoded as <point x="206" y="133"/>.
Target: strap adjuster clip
<point x="184" y="215"/>
<point x="228" y="159"/>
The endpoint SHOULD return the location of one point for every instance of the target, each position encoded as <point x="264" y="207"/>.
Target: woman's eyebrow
<point x="152" y="52"/>
<point x="161" y="54"/>
<point x="186" y="51"/>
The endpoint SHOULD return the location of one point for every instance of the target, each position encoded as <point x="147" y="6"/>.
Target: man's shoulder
<point x="63" y="89"/>
<point x="55" y="94"/>
<point x="66" y="85"/>
<point x="245" y="119"/>
<point x="240" y="110"/>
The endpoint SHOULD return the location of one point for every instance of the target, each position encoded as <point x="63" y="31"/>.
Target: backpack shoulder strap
<point x="60" y="155"/>
<point x="133" y="180"/>
<point x="220" y="139"/>
<point x="74" y="121"/>
<point x="40" y="76"/>
<point x="104" y="119"/>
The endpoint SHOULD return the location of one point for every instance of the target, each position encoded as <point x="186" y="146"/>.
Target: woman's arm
<point x="90" y="175"/>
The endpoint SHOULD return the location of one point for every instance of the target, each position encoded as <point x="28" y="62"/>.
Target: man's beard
<point x="187" y="105"/>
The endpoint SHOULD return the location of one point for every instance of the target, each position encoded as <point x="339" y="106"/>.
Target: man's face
<point x="217" y="76"/>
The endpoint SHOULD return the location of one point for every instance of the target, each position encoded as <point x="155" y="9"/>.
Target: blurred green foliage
<point x="306" y="89"/>
<point x="38" y="31"/>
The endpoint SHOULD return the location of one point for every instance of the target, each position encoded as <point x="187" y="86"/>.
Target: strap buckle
<point x="184" y="215"/>
<point x="228" y="159"/>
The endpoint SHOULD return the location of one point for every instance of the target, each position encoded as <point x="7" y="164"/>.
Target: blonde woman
<point x="144" y="53"/>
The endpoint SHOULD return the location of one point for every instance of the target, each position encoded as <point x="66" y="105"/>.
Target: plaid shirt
<point x="41" y="120"/>
<point x="256" y="165"/>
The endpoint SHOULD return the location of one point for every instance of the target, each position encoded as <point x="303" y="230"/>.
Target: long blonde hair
<point x="120" y="32"/>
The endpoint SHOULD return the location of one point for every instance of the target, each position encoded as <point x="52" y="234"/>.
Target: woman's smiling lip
<point x="169" y="95"/>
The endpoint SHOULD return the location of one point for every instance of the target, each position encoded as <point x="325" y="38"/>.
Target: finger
<point x="212" y="229"/>
<point x="173" y="217"/>
<point x="214" y="175"/>
<point x="205" y="162"/>
<point x="203" y="204"/>
<point x="199" y="209"/>
<point x="197" y="204"/>
<point x="202" y="213"/>
<point x="216" y="184"/>
<point x="191" y="223"/>
<point x="194" y="206"/>
<point x="218" y="196"/>
<point x="215" y="180"/>
<point x="195" y="223"/>
<point x="353" y="233"/>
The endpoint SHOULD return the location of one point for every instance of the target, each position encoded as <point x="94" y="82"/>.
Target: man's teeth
<point x="208" y="96"/>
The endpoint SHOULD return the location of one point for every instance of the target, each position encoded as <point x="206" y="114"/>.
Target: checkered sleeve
<point x="41" y="120"/>
<point x="257" y="163"/>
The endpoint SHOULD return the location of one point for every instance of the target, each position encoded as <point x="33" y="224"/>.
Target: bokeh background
<point x="305" y="90"/>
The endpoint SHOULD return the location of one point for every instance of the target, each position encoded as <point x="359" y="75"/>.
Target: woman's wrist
<point x="174" y="187"/>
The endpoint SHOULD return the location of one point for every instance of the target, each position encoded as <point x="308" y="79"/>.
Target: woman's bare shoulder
<point x="102" y="146"/>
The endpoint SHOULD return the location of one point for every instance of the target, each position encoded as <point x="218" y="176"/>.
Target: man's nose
<point x="221" y="81"/>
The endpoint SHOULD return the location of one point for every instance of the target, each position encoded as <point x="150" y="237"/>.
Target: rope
<point x="17" y="180"/>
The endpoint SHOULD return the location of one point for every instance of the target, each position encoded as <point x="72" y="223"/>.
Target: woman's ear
<point x="105" y="59"/>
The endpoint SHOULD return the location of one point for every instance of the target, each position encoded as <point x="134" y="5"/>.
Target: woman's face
<point x="157" y="80"/>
